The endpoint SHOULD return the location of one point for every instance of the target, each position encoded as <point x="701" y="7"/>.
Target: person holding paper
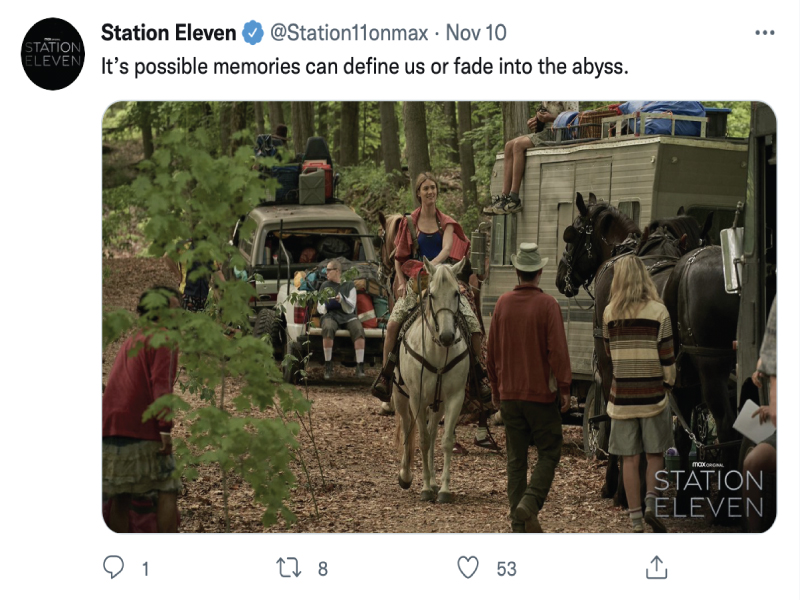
<point x="763" y="457"/>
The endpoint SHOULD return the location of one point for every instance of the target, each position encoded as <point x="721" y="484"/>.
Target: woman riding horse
<point x="428" y="233"/>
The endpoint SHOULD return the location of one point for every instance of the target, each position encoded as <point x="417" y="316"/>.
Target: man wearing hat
<point x="529" y="369"/>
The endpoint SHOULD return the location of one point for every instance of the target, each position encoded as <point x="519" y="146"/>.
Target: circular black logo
<point x="52" y="54"/>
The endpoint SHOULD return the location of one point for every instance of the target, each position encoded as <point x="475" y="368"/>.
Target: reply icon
<point x="113" y="565"/>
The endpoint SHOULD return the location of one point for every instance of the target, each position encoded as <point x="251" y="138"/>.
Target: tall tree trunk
<point x="337" y="131"/>
<point x="348" y="154"/>
<point x="467" y="156"/>
<point x="275" y="112"/>
<point x="515" y="119"/>
<point x="302" y="124"/>
<point x="258" y="108"/>
<point x="146" y="125"/>
<point x="416" y="129"/>
<point x="322" y="114"/>
<point x="390" y="140"/>
<point x="451" y="127"/>
<point x="239" y="122"/>
<point x="225" y="110"/>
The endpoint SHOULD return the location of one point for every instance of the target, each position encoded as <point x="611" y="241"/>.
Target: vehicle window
<point x="246" y="242"/>
<point x="630" y="207"/>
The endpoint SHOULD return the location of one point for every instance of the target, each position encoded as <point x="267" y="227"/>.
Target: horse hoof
<point x="435" y="489"/>
<point x="386" y="409"/>
<point x="403" y="484"/>
<point x="427" y="496"/>
<point x="444" y="498"/>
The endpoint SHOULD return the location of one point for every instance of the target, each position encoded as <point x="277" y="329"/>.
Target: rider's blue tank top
<point x="430" y="244"/>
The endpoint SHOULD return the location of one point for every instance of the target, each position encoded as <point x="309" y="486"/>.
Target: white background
<point x="53" y="534"/>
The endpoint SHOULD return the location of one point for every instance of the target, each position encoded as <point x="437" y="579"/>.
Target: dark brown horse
<point x="389" y="226"/>
<point x="692" y="290"/>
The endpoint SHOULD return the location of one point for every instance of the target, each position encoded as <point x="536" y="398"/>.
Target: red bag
<point x="366" y="311"/>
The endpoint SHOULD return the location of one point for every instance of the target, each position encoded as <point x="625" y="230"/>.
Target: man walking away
<point x="528" y="384"/>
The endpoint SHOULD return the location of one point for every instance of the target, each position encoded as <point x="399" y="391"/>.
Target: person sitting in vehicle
<point x="430" y="233"/>
<point x="340" y="310"/>
<point x="508" y="201"/>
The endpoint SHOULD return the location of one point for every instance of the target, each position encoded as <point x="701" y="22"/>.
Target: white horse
<point x="435" y="364"/>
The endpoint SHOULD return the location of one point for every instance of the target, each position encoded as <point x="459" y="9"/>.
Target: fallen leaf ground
<point x="360" y="466"/>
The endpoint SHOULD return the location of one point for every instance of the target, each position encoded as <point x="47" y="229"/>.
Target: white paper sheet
<point x="750" y="426"/>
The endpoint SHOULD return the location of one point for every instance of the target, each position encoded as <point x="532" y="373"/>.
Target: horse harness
<point x="434" y="330"/>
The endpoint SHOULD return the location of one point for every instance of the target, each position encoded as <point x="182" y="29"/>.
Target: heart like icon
<point x="467" y="569"/>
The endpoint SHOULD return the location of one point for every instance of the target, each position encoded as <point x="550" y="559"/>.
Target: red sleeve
<point x="557" y="352"/>
<point x="402" y="242"/>
<point x="164" y="367"/>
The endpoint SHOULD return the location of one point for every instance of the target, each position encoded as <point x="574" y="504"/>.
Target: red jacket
<point x="134" y="383"/>
<point x="526" y="344"/>
<point x="405" y="246"/>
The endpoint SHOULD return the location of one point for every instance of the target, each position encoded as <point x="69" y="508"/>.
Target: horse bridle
<point x="435" y="329"/>
<point x="584" y="241"/>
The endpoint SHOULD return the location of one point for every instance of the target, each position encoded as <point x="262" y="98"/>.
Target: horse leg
<point x="609" y="489"/>
<point x="405" y="436"/>
<point x="714" y="376"/>
<point x="452" y="410"/>
<point x="424" y="449"/>
<point x="433" y="430"/>
<point x="686" y="398"/>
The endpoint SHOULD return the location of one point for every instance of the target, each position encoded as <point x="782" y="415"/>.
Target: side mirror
<point x="732" y="242"/>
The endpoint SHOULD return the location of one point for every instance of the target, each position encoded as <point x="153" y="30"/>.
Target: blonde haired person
<point x="637" y="334"/>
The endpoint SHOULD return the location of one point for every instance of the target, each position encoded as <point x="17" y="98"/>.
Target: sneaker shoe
<point x="497" y="203"/>
<point x="360" y="370"/>
<point x="508" y="207"/>
<point x="651" y="519"/>
<point x="638" y="528"/>
<point x="489" y="210"/>
<point x="529" y="516"/>
<point x="328" y="370"/>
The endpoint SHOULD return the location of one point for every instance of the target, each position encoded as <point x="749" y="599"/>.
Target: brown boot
<point x="382" y="388"/>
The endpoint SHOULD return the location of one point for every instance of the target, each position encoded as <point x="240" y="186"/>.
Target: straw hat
<point x="528" y="258"/>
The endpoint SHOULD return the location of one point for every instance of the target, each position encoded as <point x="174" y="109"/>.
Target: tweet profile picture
<point x="52" y="54"/>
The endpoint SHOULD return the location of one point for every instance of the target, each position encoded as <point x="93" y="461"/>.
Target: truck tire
<point x="292" y="368"/>
<point x="595" y="438"/>
<point x="269" y="323"/>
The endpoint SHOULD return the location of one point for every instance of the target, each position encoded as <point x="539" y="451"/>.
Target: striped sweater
<point x="643" y="361"/>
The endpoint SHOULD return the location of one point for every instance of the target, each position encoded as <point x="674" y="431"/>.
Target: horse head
<point x="684" y="226"/>
<point x="443" y="299"/>
<point x="590" y="240"/>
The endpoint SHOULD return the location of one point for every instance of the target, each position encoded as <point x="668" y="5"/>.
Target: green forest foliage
<point x="196" y="182"/>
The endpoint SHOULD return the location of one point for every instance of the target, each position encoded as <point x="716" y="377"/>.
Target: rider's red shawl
<point x="405" y="247"/>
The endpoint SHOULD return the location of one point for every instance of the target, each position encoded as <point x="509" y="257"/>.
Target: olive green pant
<point x="531" y="424"/>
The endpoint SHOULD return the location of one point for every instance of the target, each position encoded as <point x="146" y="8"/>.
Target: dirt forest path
<point x="360" y="466"/>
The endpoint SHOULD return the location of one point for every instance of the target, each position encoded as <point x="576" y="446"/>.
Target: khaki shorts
<point x="330" y="326"/>
<point x="405" y="305"/>
<point x="652" y="435"/>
